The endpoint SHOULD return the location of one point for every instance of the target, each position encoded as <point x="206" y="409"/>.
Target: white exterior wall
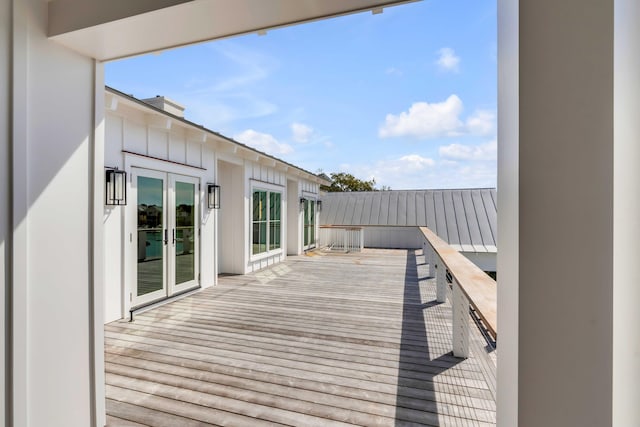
<point x="155" y="139"/>
<point x="392" y="237"/>
<point x="294" y="218"/>
<point x="263" y="177"/>
<point x="411" y="238"/>
<point x="135" y="130"/>
<point x="53" y="114"/>
<point x="231" y="239"/>
<point x="486" y="261"/>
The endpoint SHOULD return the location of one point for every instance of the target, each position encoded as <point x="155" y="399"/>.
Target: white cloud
<point x="301" y="132"/>
<point x="415" y="162"/>
<point x="448" y="60"/>
<point x="424" y="120"/>
<point x="399" y="173"/>
<point x="263" y="142"/>
<point x="487" y="151"/>
<point x="458" y="167"/>
<point x="481" y="122"/>
<point x="437" y="120"/>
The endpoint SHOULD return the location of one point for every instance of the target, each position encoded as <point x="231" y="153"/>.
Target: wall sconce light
<point x="302" y="202"/>
<point x="213" y="196"/>
<point x="116" y="187"/>
<point x="319" y="204"/>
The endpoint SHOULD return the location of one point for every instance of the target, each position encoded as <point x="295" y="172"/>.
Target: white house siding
<point x="138" y="136"/>
<point x="261" y="176"/>
<point x="294" y="216"/>
<point x="128" y="130"/>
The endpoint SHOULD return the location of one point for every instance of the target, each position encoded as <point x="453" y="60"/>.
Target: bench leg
<point x="430" y="257"/>
<point x="441" y="281"/>
<point x="460" y="322"/>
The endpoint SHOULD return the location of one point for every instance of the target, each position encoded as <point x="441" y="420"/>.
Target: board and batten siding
<point x="265" y="177"/>
<point x="128" y="130"/>
<point x="140" y="136"/>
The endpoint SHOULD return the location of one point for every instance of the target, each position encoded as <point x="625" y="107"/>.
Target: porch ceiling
<point x="121" y="28"/>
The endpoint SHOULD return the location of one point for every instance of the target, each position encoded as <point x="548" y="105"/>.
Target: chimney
<point x="166" y="104"/>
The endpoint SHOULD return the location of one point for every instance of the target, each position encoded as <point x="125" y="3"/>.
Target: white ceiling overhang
<point x="114" y="29"/>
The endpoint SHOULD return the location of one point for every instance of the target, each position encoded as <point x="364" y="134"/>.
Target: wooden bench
<point x="470" y="287"/>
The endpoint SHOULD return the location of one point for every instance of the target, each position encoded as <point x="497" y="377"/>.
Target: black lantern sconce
<point x="213" y="196"/>
<point x="116" y="187"/>
<point x="319" y="204"/>
<point x="302" y="202"/>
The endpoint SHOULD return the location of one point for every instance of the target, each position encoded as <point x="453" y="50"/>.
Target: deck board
<point x="327" y="339"/>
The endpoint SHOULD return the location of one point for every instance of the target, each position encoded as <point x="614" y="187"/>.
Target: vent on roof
<point x="166" y="104"/>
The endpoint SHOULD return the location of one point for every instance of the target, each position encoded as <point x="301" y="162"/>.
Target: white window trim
<point x="308" y="195"/>
<point x="269" y="188"/>
<point x="262" y="185"/>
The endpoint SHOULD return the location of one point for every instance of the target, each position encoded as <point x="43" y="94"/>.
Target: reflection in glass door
<point x="167" y="229"/>
<point x="151" y="237"/>
<point x="184" y="233"/>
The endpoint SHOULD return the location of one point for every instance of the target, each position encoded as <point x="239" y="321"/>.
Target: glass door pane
<point x="309" y="223"/>
<point x="306" y="223"/>
<point x="185" y="232"/>
<point x="312" y="222"/>
<point x="150" y="212"/>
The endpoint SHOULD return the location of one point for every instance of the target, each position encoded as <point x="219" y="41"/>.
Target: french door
<point x="309" y="224"/>
<point x="167" y="234"/>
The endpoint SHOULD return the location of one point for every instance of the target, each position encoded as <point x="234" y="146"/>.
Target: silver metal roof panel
<point x="466" y="218"/>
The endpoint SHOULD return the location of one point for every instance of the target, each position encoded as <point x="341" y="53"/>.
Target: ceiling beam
<point x="114" y="29"/>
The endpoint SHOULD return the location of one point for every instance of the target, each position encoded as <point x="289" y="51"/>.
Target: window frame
<point x="268" y="189"/>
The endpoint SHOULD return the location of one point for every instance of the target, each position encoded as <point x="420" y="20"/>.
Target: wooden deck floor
<point x="321" y="340"/>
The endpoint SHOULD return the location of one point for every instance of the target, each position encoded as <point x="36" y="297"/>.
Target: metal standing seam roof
<point x="464" y="218"/>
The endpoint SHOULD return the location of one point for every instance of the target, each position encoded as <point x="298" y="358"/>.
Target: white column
<point x="56" y="335"/>
<point x="626" y="215"/>
<point x="97" y="245"/>
<point x="508" y="184"/>
<point x="5" y="175"/>
<point x="574" y="146"/>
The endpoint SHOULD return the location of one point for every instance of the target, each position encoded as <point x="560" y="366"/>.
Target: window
<point x="267" y="230"/>
<point x="259" y="222"/>
<point x="274" y="221"/>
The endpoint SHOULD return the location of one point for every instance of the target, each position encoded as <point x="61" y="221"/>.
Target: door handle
<point x="166" y="236"/>
<point x="174" y="236"/>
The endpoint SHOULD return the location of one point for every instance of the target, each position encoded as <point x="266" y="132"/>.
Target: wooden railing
<point x="345" y="239"/>
<point x="470" y="287"/>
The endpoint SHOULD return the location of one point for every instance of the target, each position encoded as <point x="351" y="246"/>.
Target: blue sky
<point x="407" y="97"/>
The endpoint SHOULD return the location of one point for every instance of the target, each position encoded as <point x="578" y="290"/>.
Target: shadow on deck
<point x="321" y="340"/>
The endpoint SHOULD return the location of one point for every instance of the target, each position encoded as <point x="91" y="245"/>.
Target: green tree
<point x="343" y="181"/>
